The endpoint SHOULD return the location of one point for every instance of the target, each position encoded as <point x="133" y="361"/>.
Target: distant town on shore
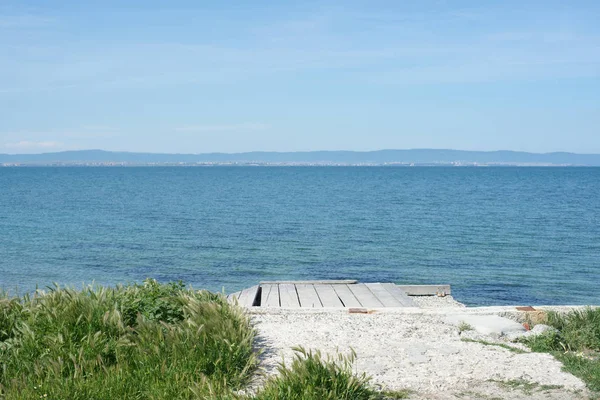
<point x="413" y="157"/>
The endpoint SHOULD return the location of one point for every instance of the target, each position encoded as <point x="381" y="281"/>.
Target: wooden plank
<point x="399" y="294"/>
<point x="328" y="296"/>
<point x="248" y="296"/>
<point x="288" y="296"/>
<point x="365" y="296"/>
<point x="264" y="294"/>
<point x="346" y="296"/>
<point x="308" y="296"/>
<point x="318" y="282"/>
<point x="270" y="296"/>
<point x="385" y="297"/>
<point x="425" y="290"/>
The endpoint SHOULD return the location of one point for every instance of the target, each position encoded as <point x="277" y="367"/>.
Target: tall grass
<point x="312" y="377"/>
<point x="147" y="341"/>
<point x="576" y="343"/>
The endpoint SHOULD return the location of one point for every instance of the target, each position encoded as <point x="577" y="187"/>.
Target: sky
<point x="235" y="76"/>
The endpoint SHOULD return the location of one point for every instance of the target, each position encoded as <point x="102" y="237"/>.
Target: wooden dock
<point x="333" y="294"/>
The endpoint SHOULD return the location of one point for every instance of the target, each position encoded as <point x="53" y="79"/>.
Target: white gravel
<point x="414" y="349"/>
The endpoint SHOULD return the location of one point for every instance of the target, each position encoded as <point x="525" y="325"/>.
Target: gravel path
<point x="416" y="350"/>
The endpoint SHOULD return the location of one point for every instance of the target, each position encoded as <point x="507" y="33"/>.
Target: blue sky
<point x="191" y="76"/>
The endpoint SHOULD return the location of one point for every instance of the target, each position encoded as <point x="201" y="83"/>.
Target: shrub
<point x="580" y="329"/>
<point x="546" y="342"/>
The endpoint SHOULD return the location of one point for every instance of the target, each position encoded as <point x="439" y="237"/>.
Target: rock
<point x="541" y="328"/>
<point x="514" y="336"/>
<point x="536" y="331"/>
<point x="486" y="324"/>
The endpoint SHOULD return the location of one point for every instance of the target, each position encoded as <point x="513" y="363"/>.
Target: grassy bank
<point x="147" y="341"/>
<point x="576" y="343"/>
<point x="150" y="341"/>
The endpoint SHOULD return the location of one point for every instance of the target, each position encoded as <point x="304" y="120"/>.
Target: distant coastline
<point x="402" y="158"/>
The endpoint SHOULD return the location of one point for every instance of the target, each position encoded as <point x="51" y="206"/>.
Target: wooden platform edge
<point x="249" y="297"/>
<point x="426" y="290"/>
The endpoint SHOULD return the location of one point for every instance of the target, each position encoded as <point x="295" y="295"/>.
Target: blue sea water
<point x="497" y="235"/>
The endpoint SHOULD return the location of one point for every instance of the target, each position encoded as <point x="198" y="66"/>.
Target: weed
<point x="546" y="342"/>
<point x="502" y="345"/>
<point x="472" y="394"/>
<point x="526" y="386"/>
<point x="396" y="394"/>
<point x="463" y="327"/>
<point x="311" y="377"/>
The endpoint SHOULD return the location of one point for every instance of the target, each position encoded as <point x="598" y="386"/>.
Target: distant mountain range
<point x="380" y="157"/>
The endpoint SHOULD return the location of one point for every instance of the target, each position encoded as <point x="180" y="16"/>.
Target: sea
<point x="497" y="235"/>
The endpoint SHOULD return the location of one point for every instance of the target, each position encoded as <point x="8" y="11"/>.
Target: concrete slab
<point x="486" y="324"/>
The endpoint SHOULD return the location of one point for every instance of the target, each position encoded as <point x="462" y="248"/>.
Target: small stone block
<point x="537" y="317"/>
<point x="527" y="308"/>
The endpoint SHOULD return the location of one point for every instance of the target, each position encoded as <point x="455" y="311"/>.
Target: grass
<point x="526" y="386"/>
<point x="311" y="377"/>
<point x="463" y="327"/>
<point x="147" y="341"/>
<point x="576" y="343"/>
<point x="502" y="345"/>
<point x="470" y="394"/>
<point x="152" y="341"/>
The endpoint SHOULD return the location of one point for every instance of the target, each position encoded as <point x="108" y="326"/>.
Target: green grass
<point x="311" y="377"/>
<point x="502" y="345"/>
<point x="525" y="386"/>
<point x="152" y="341"/>
<point x="147" y="341"/>
<point x="471" y="394"/>
<point x="463" y="327"/>
<point x="576" y="344"/>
